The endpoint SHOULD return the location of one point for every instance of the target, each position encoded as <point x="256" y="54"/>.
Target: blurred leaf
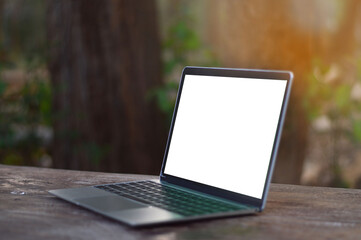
<point x="337" y="178"/>
<point x="3" y="87"/>
<point x="163" y="98"/>
<point x="192" y="42"/>
<point x="342" y="96"/>
<point x="357" y="130"/>
<point x="169" y="66"/>
<point x="13" y="159"/>
<point x="313" y="112"/>
<point x="23" y="48"/>
<point x="181" y="47"/>
<point x="180" y="30"/>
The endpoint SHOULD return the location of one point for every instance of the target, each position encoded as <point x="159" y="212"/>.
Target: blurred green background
<point x="91" y="85"/>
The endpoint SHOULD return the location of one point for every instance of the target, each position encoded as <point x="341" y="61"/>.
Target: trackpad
<point x="109" y="203"/>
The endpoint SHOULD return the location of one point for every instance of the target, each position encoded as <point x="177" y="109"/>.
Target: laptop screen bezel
<point x="240" y="73"/>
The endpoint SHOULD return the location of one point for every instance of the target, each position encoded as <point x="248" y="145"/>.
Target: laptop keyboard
<point x="171" y="199"/>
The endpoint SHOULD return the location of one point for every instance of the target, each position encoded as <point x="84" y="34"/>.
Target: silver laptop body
<point x="222" y="146"/>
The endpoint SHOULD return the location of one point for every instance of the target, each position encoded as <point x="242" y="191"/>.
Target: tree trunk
<point x="104" y="58"/>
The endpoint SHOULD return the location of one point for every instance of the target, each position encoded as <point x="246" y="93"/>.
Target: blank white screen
<point x="224" y="132"/>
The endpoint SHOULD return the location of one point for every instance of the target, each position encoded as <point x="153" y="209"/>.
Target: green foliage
<point x="3" y="87"/>
<point x="182" y="47"/>
<point x="36" y="101"/>
<point x="338" y="180"/>
<point x="329" y="93"/>
<point x="25" y="91"/>
<point x="180" y="41"/>
<point x="356" y="127"/>
<point x="23" y="35"/>
<point x="335" y="94"/>
<point x="21" y="113"/>
<point x="164" y="101"/>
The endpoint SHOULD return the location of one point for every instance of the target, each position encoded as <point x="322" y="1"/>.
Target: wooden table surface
<point x="28" y="211"/>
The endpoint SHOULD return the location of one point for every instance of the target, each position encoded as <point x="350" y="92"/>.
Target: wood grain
<point x="292" y="212"/>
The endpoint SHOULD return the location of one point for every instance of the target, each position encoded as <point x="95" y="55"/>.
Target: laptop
<point x="219" y="157"/>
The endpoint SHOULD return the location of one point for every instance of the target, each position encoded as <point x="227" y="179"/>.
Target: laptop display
<point x="224" y="132"/>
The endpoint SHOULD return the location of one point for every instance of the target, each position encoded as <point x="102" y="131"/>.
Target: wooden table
<point x="27" y="211"/>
